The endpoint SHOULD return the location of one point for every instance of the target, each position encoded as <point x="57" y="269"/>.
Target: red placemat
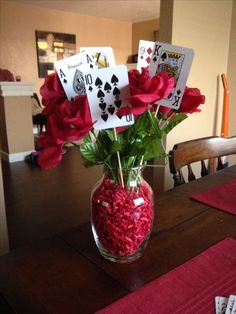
<point x="222" y="196"/>
<point x="190" y="288"/>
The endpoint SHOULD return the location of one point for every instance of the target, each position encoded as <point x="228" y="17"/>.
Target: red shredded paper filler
<point x="122" y="217"/>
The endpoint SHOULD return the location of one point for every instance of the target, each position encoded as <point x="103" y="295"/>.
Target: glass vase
<point x="122" y="214"/>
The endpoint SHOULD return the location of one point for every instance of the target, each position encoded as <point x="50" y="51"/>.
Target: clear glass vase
<point x="122" y="214"/>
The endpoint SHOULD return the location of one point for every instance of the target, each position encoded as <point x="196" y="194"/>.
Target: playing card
<point x="103" y="56"/>
<point x="176" y="61"/>
<point x="70" y="71"/>
<point x="107" y="90"/>
<point x="220" y="304"/>
<point x="144" y="53"/>
<point x="233" y="311"/>
<point x="230" y="305"/>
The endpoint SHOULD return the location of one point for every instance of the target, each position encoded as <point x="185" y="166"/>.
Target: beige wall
<point x="205" y="27"/>
<point x="18" y="23"/>
<point x="143" y="30"/>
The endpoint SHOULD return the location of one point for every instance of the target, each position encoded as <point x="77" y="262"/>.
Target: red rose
<point x="70" y="121"/>
<point x="52" y="93"/>
<point x="146" y="90"/>
<point x="192" y="98"/>
<point x="50" y="157"/>
<point x="141" y="84"/>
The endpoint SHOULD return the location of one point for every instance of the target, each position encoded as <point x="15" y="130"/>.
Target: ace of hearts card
<point x="176" y="61"/>
<point x="107" y="90"/>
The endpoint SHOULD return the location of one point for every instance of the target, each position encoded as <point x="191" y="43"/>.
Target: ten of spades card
<point x="144" y="53"/>
<point x="103" y="56"/>
<point x="107" y="90"/>
<point x="70" y="71"/>
<point x="176" y="61"/>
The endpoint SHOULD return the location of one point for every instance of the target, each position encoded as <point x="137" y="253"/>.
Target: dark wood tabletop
<point x="66" y="274"/>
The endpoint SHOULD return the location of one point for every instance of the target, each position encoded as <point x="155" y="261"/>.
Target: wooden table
<point x="66" y="274"/>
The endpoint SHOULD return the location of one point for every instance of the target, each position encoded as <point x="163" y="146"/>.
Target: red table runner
<point x="222" y="196"/>
<point x="189" y="288"/>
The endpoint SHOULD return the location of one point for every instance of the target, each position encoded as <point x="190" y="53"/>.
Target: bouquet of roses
<point x="70" y="121"/>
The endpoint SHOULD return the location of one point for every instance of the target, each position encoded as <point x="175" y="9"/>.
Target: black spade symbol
<point x="98" y="82"/>
<point x="170" y="96"/>
<point x="111" y="110"/>
<point x="104" y="116"/>
<point x="65" y="81"/>
<point x="102" y="105"/>
<point x="118" y="103"/>
<point x="100" y="94"/>
<point x="155" y="59"/>
<point x="164" y="56"/>
<point x="107" y="87"/>
<point x="116" y="91"/>
<point x="90" y="88"/>
<point x="114" y="79"/>
<point x="120" y="117"/>
<point x="178" y="92"/>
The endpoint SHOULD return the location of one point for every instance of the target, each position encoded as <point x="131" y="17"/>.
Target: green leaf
<point x="153" y="148"/>
<point x="155" y="129"/>
<point x="174" y="122"/>
<point x="109" y="134"/>
<point x="136" y="148"/>
<point x="91" y="152"/>
<point x="86" y="139"/>
<point x="115" y="147"/>
<point x="142" y="125"/>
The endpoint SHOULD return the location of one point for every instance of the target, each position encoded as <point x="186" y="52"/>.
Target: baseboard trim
<point x="14" y="157"/>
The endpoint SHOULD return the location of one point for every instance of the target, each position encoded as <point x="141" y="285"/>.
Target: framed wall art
<point x="51" y="47"/>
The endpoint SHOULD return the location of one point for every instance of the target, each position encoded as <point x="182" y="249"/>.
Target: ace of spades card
<point x="70" y="72"/>
<point x="144" y="53"/>
<point x="176" y="61"/>
<point x="103" y="56"/>
<point x="107" y="90"/>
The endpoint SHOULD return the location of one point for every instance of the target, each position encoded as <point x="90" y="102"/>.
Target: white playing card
<point x="230" y="305"/>
<point x="70" y="71"/>
<point x="234" y="307"/>
<point x="220" y="304"/>
<point x="107" y="90"/>
<point x="176" y="61"/>
<point x="144" y="53"/>
<point x="104" y="56"/>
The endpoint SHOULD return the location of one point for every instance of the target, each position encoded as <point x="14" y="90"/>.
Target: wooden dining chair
<point x="210" y="149"/>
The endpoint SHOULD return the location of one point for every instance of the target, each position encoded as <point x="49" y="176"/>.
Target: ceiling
<point x="123" y="10"/>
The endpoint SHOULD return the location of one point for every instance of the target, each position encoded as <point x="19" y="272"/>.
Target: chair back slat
<point x="219" y="164"/>
<point x="199" y="150"/>
<point x="191" y="175"/>
<point x="204" y="171"/>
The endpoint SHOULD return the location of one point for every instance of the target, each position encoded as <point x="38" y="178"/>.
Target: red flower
<point x="191" y="100"/>
<point x="146" y="90"/>
<point x="50" y="157"/>
<point x="70" y="121"/>
<point x="52" y="93"/>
